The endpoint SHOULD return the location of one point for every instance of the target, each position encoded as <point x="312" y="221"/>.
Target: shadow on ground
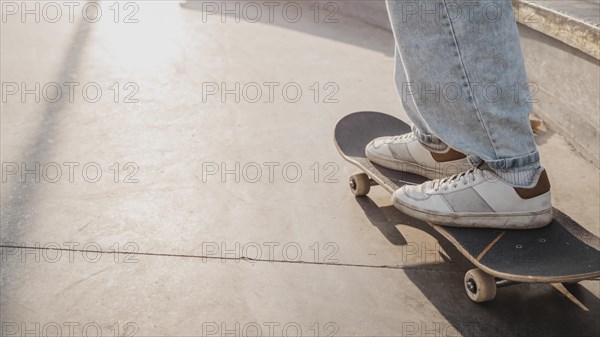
<point x="518" y="310"/>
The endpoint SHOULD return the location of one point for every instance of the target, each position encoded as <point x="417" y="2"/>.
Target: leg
<point x="466" y="77"/>
<point x="419" y="151"/>
<point x="420" y="128"/>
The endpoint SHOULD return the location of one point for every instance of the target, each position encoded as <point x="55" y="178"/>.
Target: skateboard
<point x="561" y="253"/>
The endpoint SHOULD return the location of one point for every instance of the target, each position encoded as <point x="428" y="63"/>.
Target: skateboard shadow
<point x="525" y="309"/>
<point x="382" y="220"/>
<point x="386" y="218"/>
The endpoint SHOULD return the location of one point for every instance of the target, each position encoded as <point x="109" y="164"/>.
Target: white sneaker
<point x="406" y="153"/>
<point x="478" y="198"/>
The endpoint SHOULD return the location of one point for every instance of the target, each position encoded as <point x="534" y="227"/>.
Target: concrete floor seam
<point x="207" y="257"/>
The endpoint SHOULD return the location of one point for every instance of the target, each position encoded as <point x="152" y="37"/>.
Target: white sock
<point x="520" y="176"/>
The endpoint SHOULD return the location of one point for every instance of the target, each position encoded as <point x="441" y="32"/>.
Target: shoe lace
<point x="465" y="177"/>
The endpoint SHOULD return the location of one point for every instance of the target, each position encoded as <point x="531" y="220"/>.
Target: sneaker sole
<point x="496" y="220"/>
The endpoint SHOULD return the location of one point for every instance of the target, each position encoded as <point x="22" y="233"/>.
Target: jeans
<point x="461" y="78"/>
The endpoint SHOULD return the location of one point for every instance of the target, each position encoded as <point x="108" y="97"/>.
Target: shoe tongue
<point x="430" y="184"/>
<point x="458" y="177"/>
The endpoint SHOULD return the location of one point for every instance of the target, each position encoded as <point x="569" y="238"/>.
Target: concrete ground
<point x="196" y="174"/>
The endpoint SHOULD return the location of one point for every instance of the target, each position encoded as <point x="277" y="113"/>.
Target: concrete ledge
<point x="565" y="27"/>
<point x="567" y="98"/>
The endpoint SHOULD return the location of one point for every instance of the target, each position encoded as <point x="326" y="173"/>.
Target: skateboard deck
<point x="563" y="251"/>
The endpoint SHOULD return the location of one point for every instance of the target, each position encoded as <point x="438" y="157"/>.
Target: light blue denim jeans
<point x="461" y="78"/>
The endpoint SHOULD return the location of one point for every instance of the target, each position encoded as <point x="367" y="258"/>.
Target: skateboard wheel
<point x="480" y="287"/>
<point x="360" y="184"/>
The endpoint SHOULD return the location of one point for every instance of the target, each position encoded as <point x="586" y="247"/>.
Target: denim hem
<point x="532" y="159"/>
<point x="429" y="141"/>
